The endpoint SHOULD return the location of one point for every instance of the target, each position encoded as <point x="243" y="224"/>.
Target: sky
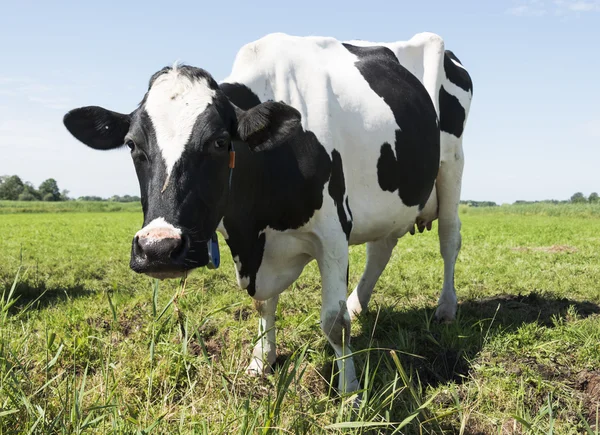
<point x="533" y="131"/>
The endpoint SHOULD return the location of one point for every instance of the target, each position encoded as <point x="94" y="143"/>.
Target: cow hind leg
<point x="448" y="187"/>
<point x="378" y="256"/>
<point x="264" y="353"/>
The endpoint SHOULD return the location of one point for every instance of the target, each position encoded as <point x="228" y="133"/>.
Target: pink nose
<point x="159" y="233"/>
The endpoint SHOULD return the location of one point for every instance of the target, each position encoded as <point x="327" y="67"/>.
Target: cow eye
<point x="221" y="143"/>
<point x="131" y="145"/>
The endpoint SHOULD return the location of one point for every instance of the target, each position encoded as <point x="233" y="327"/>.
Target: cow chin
<point x="168" y="275"/>
<point x="162" y="271"/>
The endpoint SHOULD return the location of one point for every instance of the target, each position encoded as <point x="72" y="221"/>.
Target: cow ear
<point x="96" y="127"/>
<point x="268" y="125"/>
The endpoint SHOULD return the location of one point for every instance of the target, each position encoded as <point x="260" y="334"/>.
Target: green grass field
<point x="87" y="346"/>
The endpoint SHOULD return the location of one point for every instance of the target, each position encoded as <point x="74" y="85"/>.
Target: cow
<point x="309" y="146"/>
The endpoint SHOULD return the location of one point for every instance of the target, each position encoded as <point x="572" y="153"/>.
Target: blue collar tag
<point x="214" y="258"/>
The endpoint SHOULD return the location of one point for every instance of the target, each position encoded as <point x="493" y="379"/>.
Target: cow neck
<point x="242" y="215"/>
<point x="245" y="187"/>
<point x="279" y="188"/>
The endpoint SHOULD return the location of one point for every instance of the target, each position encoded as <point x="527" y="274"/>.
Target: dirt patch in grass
<point x="242" y="314"/>
<point x="589" y="383"/>
<point x="213" y="347"/>
<point x="208" y="342"/>
<point x="98" y="323"/>
<point x="131" y="320"/>
<point x="554" y="249"/>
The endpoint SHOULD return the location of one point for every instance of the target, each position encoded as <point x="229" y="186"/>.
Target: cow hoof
<point x="258" y="369"/>
<point x="355" y="401"/>
<point x="353" y="315"/>
<point x="445" y="313"/>
<point x="354" y="306"/>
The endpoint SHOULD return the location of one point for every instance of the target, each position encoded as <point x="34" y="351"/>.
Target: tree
<point x="90" y="198"/>
<point x="593" y="198"/>
<point x="26" y="196"/>
<point x="11" y="187"/>
<point x="29" y="193"/>
<point x="49" y="190"/>
<point x="578" y="198"/>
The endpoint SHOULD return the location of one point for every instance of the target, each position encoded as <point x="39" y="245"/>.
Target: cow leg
<point x="335" y="320"/>
<point x="378" y="256"/>
<point x="448" y="189"/>
<point x="264" y="353"/>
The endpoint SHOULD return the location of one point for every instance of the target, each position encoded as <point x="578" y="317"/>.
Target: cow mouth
<point x="174" y="265"/>
<point x="168" y="274"/>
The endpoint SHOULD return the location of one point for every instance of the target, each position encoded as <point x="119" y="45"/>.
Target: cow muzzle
<point x="159" y="250"/>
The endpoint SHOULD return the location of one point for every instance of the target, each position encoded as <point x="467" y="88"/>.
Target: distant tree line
<point x="114" y="198"/>
<point x="472" y="203"/>
<point x="580" y="198"/>
<point x="576" y="198"/>
<point x="12" y="188"/>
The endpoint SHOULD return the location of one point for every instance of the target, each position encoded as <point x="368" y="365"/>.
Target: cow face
<point x="180" y="137"/>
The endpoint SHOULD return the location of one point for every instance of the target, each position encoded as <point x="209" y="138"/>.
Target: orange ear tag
<point x="231" y="159"/>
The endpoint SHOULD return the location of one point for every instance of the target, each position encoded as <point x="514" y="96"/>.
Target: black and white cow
<point x="311" y="145"/>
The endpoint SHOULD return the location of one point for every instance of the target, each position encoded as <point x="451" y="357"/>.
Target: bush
<point x="578" y="198"/>
<point x="26" y="196"/>
<point x="49" y="197"/>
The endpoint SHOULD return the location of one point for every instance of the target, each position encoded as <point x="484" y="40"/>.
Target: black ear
<point x="268" y="125"/>
<point x="96" y="127"/>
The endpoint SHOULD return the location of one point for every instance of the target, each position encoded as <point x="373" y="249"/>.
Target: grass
<point x="583" y="210"/>
<point x="7" y="207"/>
<point x="87" y="346"/>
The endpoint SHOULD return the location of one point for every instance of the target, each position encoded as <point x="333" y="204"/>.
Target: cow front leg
<point x="448" y="187"/>
<point x="335" y="319"/>
<point x="378" y="256"/>
<point x="264" y="352"/>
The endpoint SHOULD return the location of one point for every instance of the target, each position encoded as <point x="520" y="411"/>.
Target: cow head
<point x="180" y="139"/>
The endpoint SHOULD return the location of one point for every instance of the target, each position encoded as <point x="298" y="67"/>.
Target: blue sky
<point x="533" y="131"/>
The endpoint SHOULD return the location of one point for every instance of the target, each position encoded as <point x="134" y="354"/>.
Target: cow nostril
<point x="177" y="249"/>
<point x="161" y="249"/>
<point x="137" y="247"/>
<point x="180" y="249"/>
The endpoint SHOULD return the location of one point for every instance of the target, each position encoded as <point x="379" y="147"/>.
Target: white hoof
<point x="354" y="307"/>
<point x="258" y="369"/>
<point x="353" y="313"/>
<point x="354" y="401"/>
<point x="446" y="310"/>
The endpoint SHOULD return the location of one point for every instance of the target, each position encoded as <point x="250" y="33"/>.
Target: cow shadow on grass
<point x="37" y="295"/>
<point x="438" y="353"/>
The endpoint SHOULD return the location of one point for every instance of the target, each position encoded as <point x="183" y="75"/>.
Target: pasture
<point x="88" y="346"/>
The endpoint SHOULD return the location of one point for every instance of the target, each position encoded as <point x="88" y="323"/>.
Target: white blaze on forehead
<point x="158" y="224"/>
<point x="173" y="104"/>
